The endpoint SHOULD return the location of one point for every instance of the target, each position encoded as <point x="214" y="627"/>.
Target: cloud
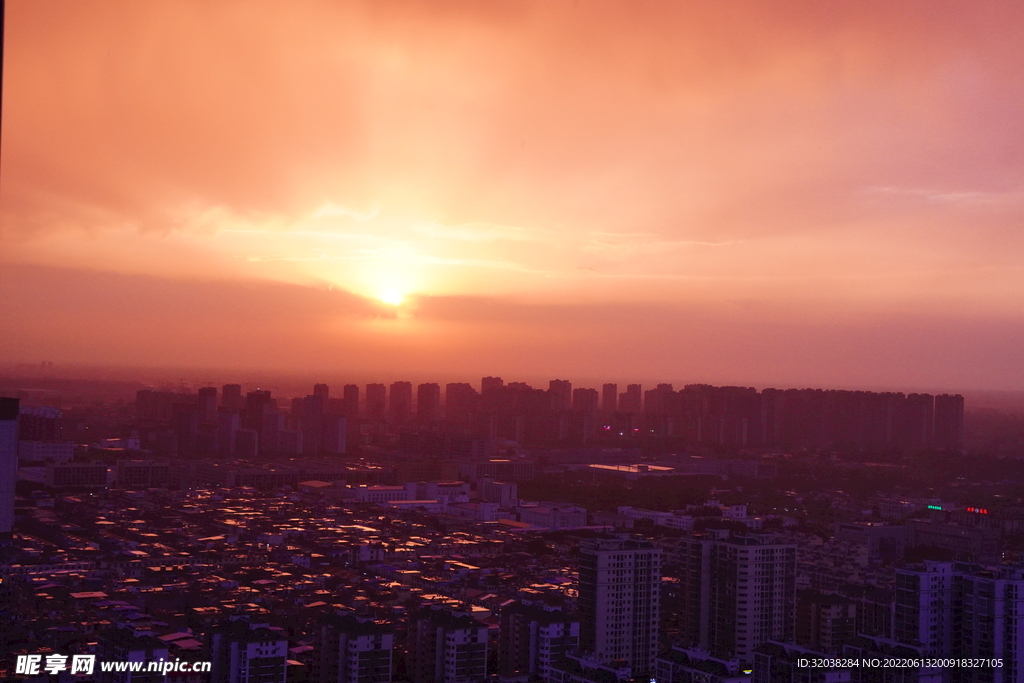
<point x="482" y="232"/>
<point x="329" y="210"/>
<point x="1013" y="197"/>
<point x="644" y="242"/>
<point x="617" y="153"/>
<point x="268" y="326"/>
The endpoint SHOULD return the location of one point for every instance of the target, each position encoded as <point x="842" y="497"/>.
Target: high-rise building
<point x="560" y="391"/>
<point x="656" y="400"/>
<point x="289" y="442"/>
<point x="243" y="652"/>
<point x="8" y="464"/>
<point x="535" y="637"/>
<point x="207" y="399"/>
<point x="336" y="406"/>
<point x="609" y="398"/>
<point x="334" y="437"/>
<point x="752" y="595"/>
<point x="990" y="622"/>
<point x="961" y="610"/>
<point x="460" y="401"/>
<point x="231" y="396"/>
<point x="914" y="421"/>
<point x="186" y="428"/>
<point x="446" y="646"/>
<point x="949" y="421"/>
<point x="924" y="595"/>
<point x="630" y="400"/>
<point x="271" y="427"/>
<point x="874" y="610"/>
<point x="491" y="383"/>
<point x="694" y="591"/>
<point x="585" y="400"/>
<point x="824" y="621"/>
<point x="257" y="403"/>
<point x="736" y="593"/>
<point x="428" y="402"/>
<point x="311" y="423"/>
<point x="297" y="408"/>
<point x="619" y="601"/>
<point x="354" y="650"/>
<point x="247" y="443"/>
<point x="157" y="406"/>
<point x="400" y="402"/>
<point x="376" y="401"/>
<point x="228" y="424"/>
<point x="123" y="644"/>
<point x="581" y="425"/>
<point x="323" y="391"/>
<point x="350" y="401"/>
<point x="262" y="416"/>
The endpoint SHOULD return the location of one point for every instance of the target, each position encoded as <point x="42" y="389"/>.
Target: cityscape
<point x="501" y="532"/>
<point x="511" y="341"/>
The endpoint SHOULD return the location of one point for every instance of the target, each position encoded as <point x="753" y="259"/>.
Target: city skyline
<point x="794" y="195"/>
<point x="519" y="533"/>
<point x="511" y="341"/>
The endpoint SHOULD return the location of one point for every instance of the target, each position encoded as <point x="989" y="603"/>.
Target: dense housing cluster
<point x="507" y="534"/>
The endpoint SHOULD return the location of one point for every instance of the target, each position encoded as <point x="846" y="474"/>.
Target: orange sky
<point x="748" y="192"/>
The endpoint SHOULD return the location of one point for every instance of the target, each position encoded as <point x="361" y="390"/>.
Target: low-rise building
<point x="41" y="451"/>
<point x="74" y="474"/>
<point x="552" y="515"/>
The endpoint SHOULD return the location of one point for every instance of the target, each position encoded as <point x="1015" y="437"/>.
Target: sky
<point x="784" y="193"/>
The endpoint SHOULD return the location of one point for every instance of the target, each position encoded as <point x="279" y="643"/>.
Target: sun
<point x="393" y="297"/>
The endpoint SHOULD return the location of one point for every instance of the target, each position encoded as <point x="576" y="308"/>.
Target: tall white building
<point x="924" y="596"/>
<point x="534" y="637"/>
<point x="446" y="646"/>
<point x="122" y="644"/>
<point x="243" y="652"/>
<point x="961" y="610"/>
<point x="990" y="620"/>
<point x="8" y="464"/>
<point x="354" y="650"/>
<point x="619" y="601"/>
<point x="737" y="593"/>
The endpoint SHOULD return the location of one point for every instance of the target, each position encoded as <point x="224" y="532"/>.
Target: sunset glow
<point x="754" y="192"/>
